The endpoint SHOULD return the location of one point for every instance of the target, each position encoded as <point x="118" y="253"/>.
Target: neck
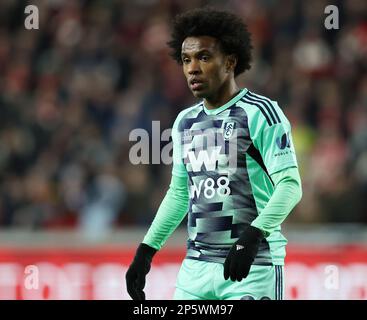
<point x="222" y="96"/>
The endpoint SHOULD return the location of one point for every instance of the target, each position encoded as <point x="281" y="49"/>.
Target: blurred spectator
<point x="72" y="91"/>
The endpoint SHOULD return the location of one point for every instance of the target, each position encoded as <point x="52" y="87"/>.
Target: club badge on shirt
<point x="228" y="129"/>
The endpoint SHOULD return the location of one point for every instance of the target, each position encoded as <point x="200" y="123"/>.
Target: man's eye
<point x="204" y="58"/>
<point x="185" y="60"/>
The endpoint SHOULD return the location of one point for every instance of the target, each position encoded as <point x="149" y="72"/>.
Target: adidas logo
<point x="239" y="247"/>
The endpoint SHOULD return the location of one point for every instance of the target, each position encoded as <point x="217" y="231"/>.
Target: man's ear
<point x="231" y="62"/>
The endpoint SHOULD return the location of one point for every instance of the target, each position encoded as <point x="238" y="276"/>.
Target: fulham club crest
<point x="228" y="130"/>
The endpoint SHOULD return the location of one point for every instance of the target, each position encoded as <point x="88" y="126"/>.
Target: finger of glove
<point x="243" y="269"/>
<point x="139" y="295"/>
<point x="142" y="295"/>
<point x="134" y="292"/>
<point x="130" y="278"/>
<point x="246" y="270"/>
<point x="233" y="268"/>
<point x="132" y="284"/>
<point x="227" y="264"/>
<point x="140" y="281"/>
<point x="238" y="273"/>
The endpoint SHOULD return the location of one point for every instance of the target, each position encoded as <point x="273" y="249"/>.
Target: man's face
<point x="204" y="65"/>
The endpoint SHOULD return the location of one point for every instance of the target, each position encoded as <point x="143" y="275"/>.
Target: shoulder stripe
<point x="266" y="100"/>
<point x="264" y="104"/>
<point x="260" y="107"/>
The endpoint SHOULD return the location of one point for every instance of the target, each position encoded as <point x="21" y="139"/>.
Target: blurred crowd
<point x="73" y="90"/>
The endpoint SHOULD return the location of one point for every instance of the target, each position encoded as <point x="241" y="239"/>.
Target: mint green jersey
<point x="229" y="155"/>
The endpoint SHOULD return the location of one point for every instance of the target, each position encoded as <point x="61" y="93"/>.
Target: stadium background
<point x="72" y="203"/>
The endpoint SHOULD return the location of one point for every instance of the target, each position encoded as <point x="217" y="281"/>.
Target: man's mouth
<point x="196" y="84"/>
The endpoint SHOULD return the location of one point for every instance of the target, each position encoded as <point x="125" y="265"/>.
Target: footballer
<point x="234" y="172"/>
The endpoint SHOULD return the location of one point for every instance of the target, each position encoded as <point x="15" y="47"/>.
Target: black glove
<point x="242" y="254"/>
<point x="139" y="268"/>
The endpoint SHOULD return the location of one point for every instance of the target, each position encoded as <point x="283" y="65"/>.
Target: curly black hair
<point x="227" y="28"/>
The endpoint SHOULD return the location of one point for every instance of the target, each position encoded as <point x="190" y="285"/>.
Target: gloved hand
<point x="139" y="268"/>
<point x="242" y="254"/>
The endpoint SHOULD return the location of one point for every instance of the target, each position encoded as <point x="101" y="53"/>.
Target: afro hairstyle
<point x="229" y="30"/>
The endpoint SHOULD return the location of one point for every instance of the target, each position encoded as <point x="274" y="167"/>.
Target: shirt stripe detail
<point x="281" y="282"/>
<point x="260" y="107"/>
<point x="266" y="100"/>
<point x="264" y="104"/>
<point x="277" y="283"/>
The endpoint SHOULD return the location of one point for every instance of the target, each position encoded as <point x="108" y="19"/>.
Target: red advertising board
<point x="327" y="272"/>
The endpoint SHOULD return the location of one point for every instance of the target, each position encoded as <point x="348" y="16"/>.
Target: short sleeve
<point x="274" y="141"/>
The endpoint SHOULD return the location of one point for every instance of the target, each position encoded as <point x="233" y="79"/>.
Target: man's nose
<point x="194" y="67"/>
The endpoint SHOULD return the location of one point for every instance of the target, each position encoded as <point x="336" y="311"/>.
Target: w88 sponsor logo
<point x="210" y="188"/>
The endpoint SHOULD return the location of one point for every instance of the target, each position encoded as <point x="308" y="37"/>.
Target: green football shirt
<point x="228" y="155"/>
